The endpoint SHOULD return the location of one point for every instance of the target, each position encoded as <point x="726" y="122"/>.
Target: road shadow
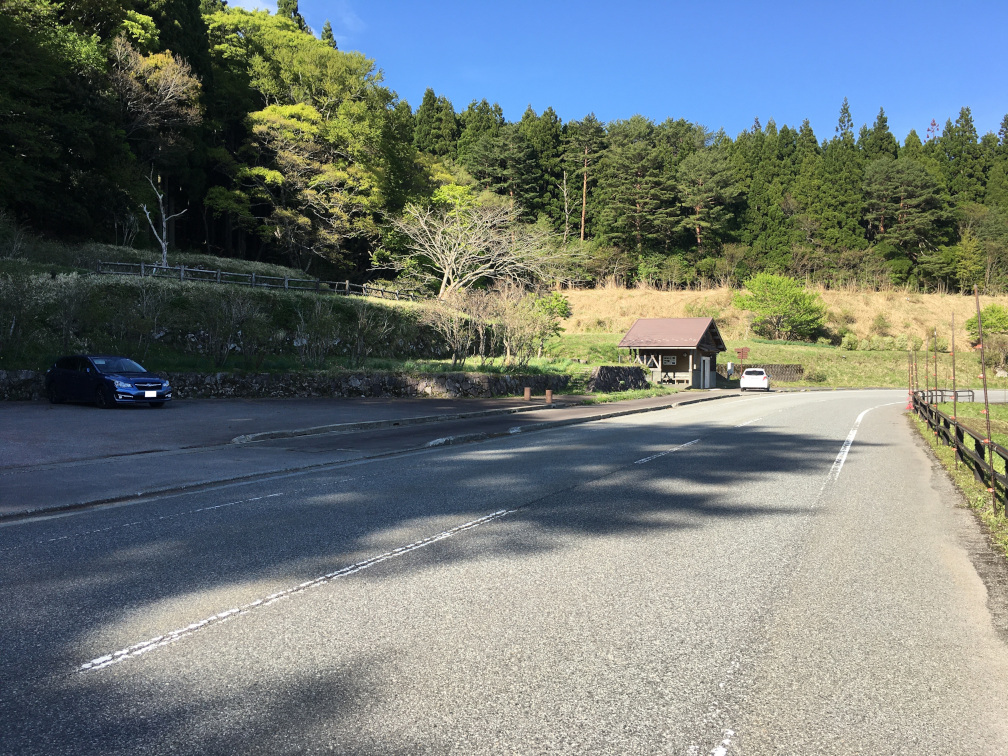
<point x="82" y="594"/>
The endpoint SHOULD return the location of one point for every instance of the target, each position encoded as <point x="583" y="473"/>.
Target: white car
<point x="754" y="378"/>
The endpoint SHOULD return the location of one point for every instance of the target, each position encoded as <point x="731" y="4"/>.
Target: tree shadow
<point x="72" y="600"/>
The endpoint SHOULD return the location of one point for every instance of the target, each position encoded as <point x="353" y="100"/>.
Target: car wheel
<point x="102" y="400"/>
<point x="54" y="396"/>
<point x="157" y="404"/>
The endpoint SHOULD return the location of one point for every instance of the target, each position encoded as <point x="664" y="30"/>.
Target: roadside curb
<point x="449" y="440"/>
<point x="379" y="424"/>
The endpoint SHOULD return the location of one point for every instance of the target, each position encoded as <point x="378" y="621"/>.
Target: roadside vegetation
<point x="975" y="494"/>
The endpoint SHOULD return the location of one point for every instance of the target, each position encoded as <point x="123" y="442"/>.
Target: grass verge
<point x="622" y="396"/>
<point x="975" y="495"/>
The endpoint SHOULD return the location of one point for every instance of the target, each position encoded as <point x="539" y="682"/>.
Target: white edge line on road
<point x="667" y="451"/>
<point x="838" y="463"/>
<point x="143" y="647"/>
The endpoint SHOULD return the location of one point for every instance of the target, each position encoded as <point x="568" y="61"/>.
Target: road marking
<point x="439" y="441"/>
<point x="722" y="748"/>
<point x="838" y="463"/>
<point x="149" y="521"/>
<point x="138" y="649"/>
<point x="667" y="451"/>
<point x="747" y="422"/>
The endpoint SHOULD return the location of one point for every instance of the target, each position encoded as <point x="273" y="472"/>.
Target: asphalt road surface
<point x="783" y="573"/>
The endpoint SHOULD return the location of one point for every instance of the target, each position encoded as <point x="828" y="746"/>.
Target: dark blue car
<point x="106" y="380"/>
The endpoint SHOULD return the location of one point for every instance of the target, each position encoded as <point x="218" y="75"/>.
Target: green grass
<point x="620" y="396"/>
<point x="971" y="415"/>
<point x="825" y="365"/>
<point x="975" y="494"/>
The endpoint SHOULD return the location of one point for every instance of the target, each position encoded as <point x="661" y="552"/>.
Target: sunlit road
<point x="779" y="573"/>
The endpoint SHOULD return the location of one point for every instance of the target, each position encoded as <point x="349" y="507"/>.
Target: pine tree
<point x="838" y="206"/>
<point x="327" y="35"/>
<point x="638" y="197"/>
<point x="584" y="145"/>
<point x="289" y="9"/>
<point x="477" y="120"/>
<point x="878" y="141"/>
<point x="959" y="154"/>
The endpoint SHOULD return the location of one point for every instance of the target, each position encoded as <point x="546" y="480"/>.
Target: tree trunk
<point x="584" y="194"/>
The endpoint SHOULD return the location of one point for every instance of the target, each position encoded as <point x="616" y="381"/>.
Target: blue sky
<point x="720" y="64"/>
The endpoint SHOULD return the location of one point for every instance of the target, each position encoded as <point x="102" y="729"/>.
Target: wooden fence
<point x="971" y="448"/>
<point x="203" y="275"/>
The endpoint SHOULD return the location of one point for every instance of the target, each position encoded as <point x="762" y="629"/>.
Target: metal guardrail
<point x="971" y="448"/>
<point x="185" y="273"/>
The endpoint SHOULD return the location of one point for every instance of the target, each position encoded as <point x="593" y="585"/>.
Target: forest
<point x="261" y="140"/>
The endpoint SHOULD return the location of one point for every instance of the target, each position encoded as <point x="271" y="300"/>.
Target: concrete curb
<point x="449" y="440"/>
<point x="379" y="424"/>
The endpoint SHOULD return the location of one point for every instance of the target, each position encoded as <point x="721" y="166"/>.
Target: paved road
<point x="757" y="575"/>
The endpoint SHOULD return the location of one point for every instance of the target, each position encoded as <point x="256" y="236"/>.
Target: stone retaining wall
<point x="609" y="378"/>
<point x="26" y="385"/>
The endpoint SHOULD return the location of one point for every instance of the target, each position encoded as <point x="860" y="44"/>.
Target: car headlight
<point x="121" y="384"/>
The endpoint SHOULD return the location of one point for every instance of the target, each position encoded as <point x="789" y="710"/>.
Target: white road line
<point x="747" y="422"/>
<point x="138" y="649"/>
<point x="149" y="521"/>
<point x="722" y="748"/>
<point x="838" y="463"/>
<point x="667" y="451"/>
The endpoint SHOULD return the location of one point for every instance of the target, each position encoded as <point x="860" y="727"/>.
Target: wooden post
<point x="528" y="393"/>
<point x="955" y="397"/>
<point x="549" y="396"/>
<point x="983" y="374"/>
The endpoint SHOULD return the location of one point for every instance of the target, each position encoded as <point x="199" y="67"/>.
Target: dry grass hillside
<point x="865" y="313"/>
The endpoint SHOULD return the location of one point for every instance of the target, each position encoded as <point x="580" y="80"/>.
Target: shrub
<point x="881" y="324"/>
<point x="849" y="342"/>
<point x="995" y="320"/>
<point x="782" y="307"/>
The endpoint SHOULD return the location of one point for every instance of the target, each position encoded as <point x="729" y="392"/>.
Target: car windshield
<point x="116" y="365"/>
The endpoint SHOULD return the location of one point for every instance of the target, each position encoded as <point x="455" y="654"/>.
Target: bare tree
<point x="162" y="238"/>
<point x="460" y="246"/>
<point x="451" y="317"/>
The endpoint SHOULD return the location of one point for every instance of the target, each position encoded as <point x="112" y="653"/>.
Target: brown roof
<point x="674" y="333"/>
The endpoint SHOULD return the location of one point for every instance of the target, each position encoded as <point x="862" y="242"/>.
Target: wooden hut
<point x="676" y="350"/>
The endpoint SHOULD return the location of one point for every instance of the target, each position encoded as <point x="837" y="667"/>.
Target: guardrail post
<point x="253" y="280"/>
<point x="181" y="273"/>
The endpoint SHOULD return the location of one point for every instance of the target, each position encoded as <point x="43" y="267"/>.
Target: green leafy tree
<point x="878" y="142"/>
<point x="637" y="195"/>
<point x="543" y="133"/>
<point x="327" y="35"/>
<point x="289" y="9"/>
<point x="437" y="127"/>
<point x="838" y="205"/>
<point x="783" y="309"/>
<point x="585" y="143"/>
<point x="478" y="120"/>
<point x="994" y="318"/>
<point x="64" y="166"/>
<point x="960" y="159"/>
<point x="708" y="189"/>
<point x="904" y="205"/>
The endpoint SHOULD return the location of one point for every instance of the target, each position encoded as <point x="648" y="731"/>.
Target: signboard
<point x="668" y="360"/>
<point x="743" y="353"/>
